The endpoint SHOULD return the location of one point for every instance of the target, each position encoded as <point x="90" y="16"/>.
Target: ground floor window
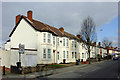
<point x="82" y="55"/>
<point x="67" y="54"/>
<point x="72" y="54"/>
<point x="44" y="53"/>
<point x="49" y="53"/>
<point x="75" y="55"/>
<point x="63" y="54"/>
<point x="93" y="54"/>
<point x="58" y="55"/>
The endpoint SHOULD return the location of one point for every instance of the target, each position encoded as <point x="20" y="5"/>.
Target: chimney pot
<point x="95" y="43"/>
<point x="99" y="44"/>
<point x="29" y="15"/>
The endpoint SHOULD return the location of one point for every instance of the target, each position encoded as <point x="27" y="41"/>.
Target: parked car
<point x="115" y="58"/>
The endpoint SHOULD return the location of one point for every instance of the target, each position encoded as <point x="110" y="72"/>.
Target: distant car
<point x="115" y="58"/>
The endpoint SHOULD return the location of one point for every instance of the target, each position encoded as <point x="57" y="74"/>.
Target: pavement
<point x="50" y="72"/>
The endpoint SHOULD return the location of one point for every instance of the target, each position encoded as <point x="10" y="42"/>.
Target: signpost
<point x="21" y="51"/>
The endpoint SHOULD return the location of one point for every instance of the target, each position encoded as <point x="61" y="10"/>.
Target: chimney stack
<point x="29" y="15"/>
<point x="61" y="29"/>
<point x="17" y="18"/>
<point x="78" y="36"/>
<point x="95" y="43"/>
<point x="99" y="44"/>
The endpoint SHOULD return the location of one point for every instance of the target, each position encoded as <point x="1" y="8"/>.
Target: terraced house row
<point x="45" y="44"/>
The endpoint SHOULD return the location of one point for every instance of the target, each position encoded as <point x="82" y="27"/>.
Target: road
<point x="107" y="69"/>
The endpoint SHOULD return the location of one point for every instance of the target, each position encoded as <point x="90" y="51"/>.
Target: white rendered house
<point x="44" y="44"/>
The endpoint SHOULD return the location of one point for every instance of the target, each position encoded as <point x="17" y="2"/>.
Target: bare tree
<point x="87" y="33"/>
<point x="106" y="43"/>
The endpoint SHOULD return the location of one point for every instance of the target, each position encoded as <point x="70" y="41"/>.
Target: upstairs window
<point x="82" y="46"/>
<point x="49" y="37"/>
<point x="75" y="44"/>
<point x="44" y="37"/>
<point x="63" y="41"/>
<point x="72" y="43"/>
<point x="67" y="42"/>
<point x="58" y="41"/>
<point x="53" y="40"/>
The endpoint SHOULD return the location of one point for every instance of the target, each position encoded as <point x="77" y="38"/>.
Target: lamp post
<point x="96" y="43"/>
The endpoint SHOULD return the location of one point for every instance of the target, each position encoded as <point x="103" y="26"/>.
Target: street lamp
<point x="96" y="42"/>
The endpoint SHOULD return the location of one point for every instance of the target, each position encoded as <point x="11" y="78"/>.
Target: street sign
<point x="21" y="48"/>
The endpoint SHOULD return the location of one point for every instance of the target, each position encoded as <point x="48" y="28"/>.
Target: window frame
<point x="49" y="54"/>
<point x="44" y="37"/>
<point x="53" y="40"/>
<point x="64" y="54"/>
<point x="72" y="55"/>
<point x="63" y="41"/>
<point x="44" y="53"/>
<point x="67" y="54"/>
<point x="67" y="42"/>
<point x="49" y="38"/>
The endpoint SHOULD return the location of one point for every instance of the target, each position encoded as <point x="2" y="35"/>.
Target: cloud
<point x="61" y="0"/>
<point x="66" y="14"/>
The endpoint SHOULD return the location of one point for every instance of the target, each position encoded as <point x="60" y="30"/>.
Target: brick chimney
<point x="29" y="15"/>
<point x="99" y="43"/>
<point x="78" y="36"/>
<point x="95" y="43"/>
<point x="61" y="29"/>
<point x="115" y="48"/>
<point x="17" y="19"/>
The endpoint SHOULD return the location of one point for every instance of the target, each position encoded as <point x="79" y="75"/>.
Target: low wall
<point x="33" y="69"/>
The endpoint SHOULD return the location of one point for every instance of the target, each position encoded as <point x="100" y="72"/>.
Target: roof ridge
<point x="51" y="29"/>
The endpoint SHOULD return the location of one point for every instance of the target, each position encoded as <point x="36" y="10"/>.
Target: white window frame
<point x="44" y="53"/>
<point x="75" y="44"/>
<point x="63" y="41"/>
<point x="44" y="37"/>
<point x="82" y="55"/>
<point x="49" y="54"/>
<point x="49" y="38"/>
<point x="67" y="42"/>
<point x="64" y="54"/>
<point x="53" y="40"/>
<point x="75" y="55"/>
<point x="72" y="44"/>
<point x="58" y="41"/>
<point x="72" y="55"/>
<point x="67" y="54"/>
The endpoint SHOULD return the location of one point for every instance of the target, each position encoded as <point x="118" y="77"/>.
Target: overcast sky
<point x="64" y="14"/>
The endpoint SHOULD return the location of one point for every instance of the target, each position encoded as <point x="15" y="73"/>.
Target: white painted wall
<point x="7" y="46"/>
<point x="5" y="58"/>
<point x="24" y="34"/>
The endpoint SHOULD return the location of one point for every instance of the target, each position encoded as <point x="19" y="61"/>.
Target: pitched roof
<point x="40" y="26"/>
